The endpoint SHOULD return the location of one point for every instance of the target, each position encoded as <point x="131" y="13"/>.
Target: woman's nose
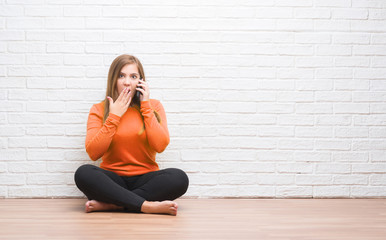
<point x="127" y="81"/>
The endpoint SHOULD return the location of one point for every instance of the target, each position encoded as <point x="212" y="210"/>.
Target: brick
<point x="104" y="23"/>
<point x="20" y="47"/>
<point x="82" y="11"/>
<point x="260" y="191"/>
<point x="237" y="131"/>
<point x="368" y="4"/>
<point x="46" y="155"/>
<point x="48" y="36"/>
<point x="75" y="155"/>
<point x="203" y="179"/>
<point x="350" y="132"/>
<point x="273" y="108"/>
<point x="65" y="142"/>
<point x="64" y="191"/>
<point x="26" y="167"/>
<point x="48" y="106"/>
<point x="349" y="13"/>
<point x="351" y="157"/>
<point x="293" y="3"/>
<point x="294" y="120"/>
<point x="47" y="179"/>
<point x="378" y="85"/>
<point x="319" y="108"/>
<point x="378" y="62"/>
<point x="11" y="11"/>
<point x="11" y="179"/>
<point x="25" y="23"/>
<point x="355" y="179"/>
<point x="89" y="60"/>
<point x="44" y="59"/>
<point x="369" y="26"/>
<point x="10" y="35"/>
<point x="373" y="144"/>
<point x="65" y="23"/>
<point x="239" y="154"/>
<point x="332" y="145"/>
<point x="276" y="131"/>
<point x="65" y="48"/>
<point x="368" y="50"/>
<point x="297" y="74"/>
<point x="352" y="62"/>
<point x="11" y="131"/>
<point x="333" y="50"/>
<point x="232" y="107"/>
<point x="377" y="179"/>
<point x="378" y="156"/>
<point x="333" y="73"/>
<point x="295" y="144"/>
<point x="270" y="179"/>
<point x="352" y="84"/>
<point x="369" y="120"/>
<point x="335" y="96"/>
<point x="306" y="156"/>
<point x="377" y="132"/>
<point x="27" y="192"/>
<point x="30" y="142"/>
<point x="47" y="11"/>
<point x="27" y="118"/>
<point x="331" y="192"/>
<point x="307" y="38"/>
<point x="373" y="73"/>
<point x="237" y="179"/>
<point x="268" y="61"/>
<point x="10" y="106"/>
<point x="313" y="180"/>
<point x="331" y="25"/>
<point x="367" y="191"/>
<point x="318" y="85"/>
<point x="378" y="38"/>
<point x="276" y="85"/>
<point x="13" y="154"/>
<point x="333" y="168"/>
<point x="199" y="155"/>
<point x="313" y="13"/>
<point x="295" y="50"/>
<point x="355" y="108"/>
<point x="313" y="132"/>
<point x="294" y="191"/>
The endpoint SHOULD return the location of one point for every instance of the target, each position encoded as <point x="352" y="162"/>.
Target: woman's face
<point x="128" y="77"/>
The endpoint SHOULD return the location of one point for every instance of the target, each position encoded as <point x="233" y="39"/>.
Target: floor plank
<point x="198" y="219"/>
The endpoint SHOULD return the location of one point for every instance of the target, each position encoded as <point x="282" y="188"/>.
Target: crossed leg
<point x="148" y="193"/>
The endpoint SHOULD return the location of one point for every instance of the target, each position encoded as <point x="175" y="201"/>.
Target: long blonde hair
<point x="114" y="71"/>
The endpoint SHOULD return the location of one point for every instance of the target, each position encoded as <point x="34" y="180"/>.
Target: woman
<point x="126" y="130"/>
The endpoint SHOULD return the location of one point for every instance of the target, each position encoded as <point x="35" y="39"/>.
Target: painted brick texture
<point x="272" y="99"/>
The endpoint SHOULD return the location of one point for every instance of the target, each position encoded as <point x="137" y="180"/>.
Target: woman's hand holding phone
<point x="120" y="105"/>
<point x="143" y="88"/>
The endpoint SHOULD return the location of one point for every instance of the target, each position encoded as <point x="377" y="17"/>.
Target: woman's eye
<point x="121" y="76"/>
<point x="134" y="76"/>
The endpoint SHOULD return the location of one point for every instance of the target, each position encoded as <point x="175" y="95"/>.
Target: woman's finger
<point x="128" y="103"/>
<point x="121" y="95"/>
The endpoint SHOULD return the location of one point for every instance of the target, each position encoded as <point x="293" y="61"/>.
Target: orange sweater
<point x="125" y="147"/>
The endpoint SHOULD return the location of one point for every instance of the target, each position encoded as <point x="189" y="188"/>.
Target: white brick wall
<point x="281" y="98"/>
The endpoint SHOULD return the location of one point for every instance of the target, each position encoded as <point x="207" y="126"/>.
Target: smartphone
<point x="138" y="93"/>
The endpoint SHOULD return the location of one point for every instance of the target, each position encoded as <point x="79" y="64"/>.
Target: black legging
<point x="130" y="192"/>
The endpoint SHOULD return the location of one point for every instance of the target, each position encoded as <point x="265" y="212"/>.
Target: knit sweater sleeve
<point x="99" y="135"/>
<point x="155" y="124"/>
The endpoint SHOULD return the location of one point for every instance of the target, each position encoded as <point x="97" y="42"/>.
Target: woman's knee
<point x="180" y="178"/>
<point x="83" y="172"/>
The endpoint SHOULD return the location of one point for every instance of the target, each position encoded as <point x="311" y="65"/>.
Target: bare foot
<point x="166" y="207"/>
<point x="93" y="206"/>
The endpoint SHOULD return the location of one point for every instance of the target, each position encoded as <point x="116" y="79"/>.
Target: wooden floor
<point x="199" y="219"/>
